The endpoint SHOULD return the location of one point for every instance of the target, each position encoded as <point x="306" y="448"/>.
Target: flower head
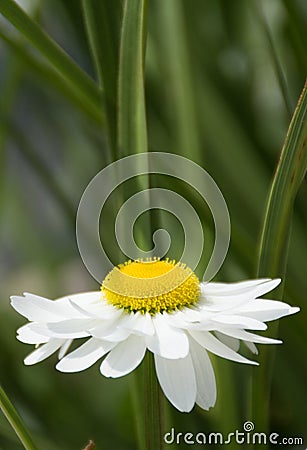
<point x="155" y="305"/>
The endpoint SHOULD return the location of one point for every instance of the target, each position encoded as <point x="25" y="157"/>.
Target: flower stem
<point x="16" y="421"/>
<point x="154" y="414"/>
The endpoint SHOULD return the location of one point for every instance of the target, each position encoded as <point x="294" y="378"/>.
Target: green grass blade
<point x="66" y="67"/>
<point x="275" y="237"/>
<point x="102" y="20"/>
<point x="288" y="177"/>
<point x="16" y="421"/>
<point x="132" y="131"/>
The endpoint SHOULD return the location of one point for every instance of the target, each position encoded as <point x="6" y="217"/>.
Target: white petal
<point x="211" y="343"/>
<point x="266" y="310"/>
<point x="230" y="341"/>
<point x="250" y="337"/>
<point x="238" y="287"/>
<point x="140" y="324"/>
<point x="205" y="379"/>
<point x="124" y="358"/>
<point x="232" y="295"/>
<point x="118" y="335"/>
<point x="251" y="346"/>
<point x="94" y="306"/>
<point x="167" y="341"/>
<point x="64" y="349"/>
<point x="44" y="351"/>
<point x="84" y="356"/>
<point x="39" y="309"/>
<point x="28" y="335"/>
<point x="177" y="380"/>
<point x="72" y="328"/>
<point x="111" y="328"/>
<point x="84" y="298"/>
<point x="239" y="321"/>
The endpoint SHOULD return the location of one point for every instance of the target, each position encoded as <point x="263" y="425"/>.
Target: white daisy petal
<point x="72" y="328"/>
<point x="64" y="349"/>
<point x="213" y="345"/>
<point x="251" y="346"/>
<point x="95" y="308"/>
<point x="239" y="321"/>
<point x="230" y="341"/>
<point x="167" y="341"/>
<point x="84" y="298"/>
<point x="205" y="379"/>
<point x="120" y="329"/>
<point x="140" y="324"/>
<point x="40" y="309"/>
<point x="28" y="335"/>
<point x="225" y="300"/>
<point x="124" y="358"/>
<point x="177" y="380"/>
<point x="267" y="310"/>
<point x="84" y="356"/>
<point x="250" y="337"/>
<point x="117" y="335"/>
<point x="44" y="351"/>
<point x="239" y="287"/>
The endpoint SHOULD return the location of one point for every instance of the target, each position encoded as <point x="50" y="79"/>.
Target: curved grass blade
<point x="61" y="62"/>
<point x="275" y="237"/>
<point x="16" y="421"/>
<point x="287" y="179"/>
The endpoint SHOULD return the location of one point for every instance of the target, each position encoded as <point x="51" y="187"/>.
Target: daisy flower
<point x="158" y="306"/>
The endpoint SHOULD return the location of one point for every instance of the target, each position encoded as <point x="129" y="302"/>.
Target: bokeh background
<point x="222" y="81"/>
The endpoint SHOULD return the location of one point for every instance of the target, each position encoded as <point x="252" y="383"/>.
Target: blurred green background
<point x="222" y="80"/>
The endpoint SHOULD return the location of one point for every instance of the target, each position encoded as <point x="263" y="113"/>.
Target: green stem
<point x="16" y="421"/>
<point x="132" y="139"/>
<point x="154" y="417"/>
<point x="275" y="239"/>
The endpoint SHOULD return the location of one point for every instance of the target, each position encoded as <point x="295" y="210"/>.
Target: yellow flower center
<point x="151" y="286"/>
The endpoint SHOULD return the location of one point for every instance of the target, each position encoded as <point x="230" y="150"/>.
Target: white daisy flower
<point x="160" y="306"/>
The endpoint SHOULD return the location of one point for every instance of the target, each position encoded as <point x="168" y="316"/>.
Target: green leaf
<point x="61" y="62"/>
<point x="16" y="421"/>
<point x="132" y="132"/>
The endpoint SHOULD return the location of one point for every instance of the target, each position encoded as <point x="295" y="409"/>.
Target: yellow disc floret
<point x="151" y="286"/>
